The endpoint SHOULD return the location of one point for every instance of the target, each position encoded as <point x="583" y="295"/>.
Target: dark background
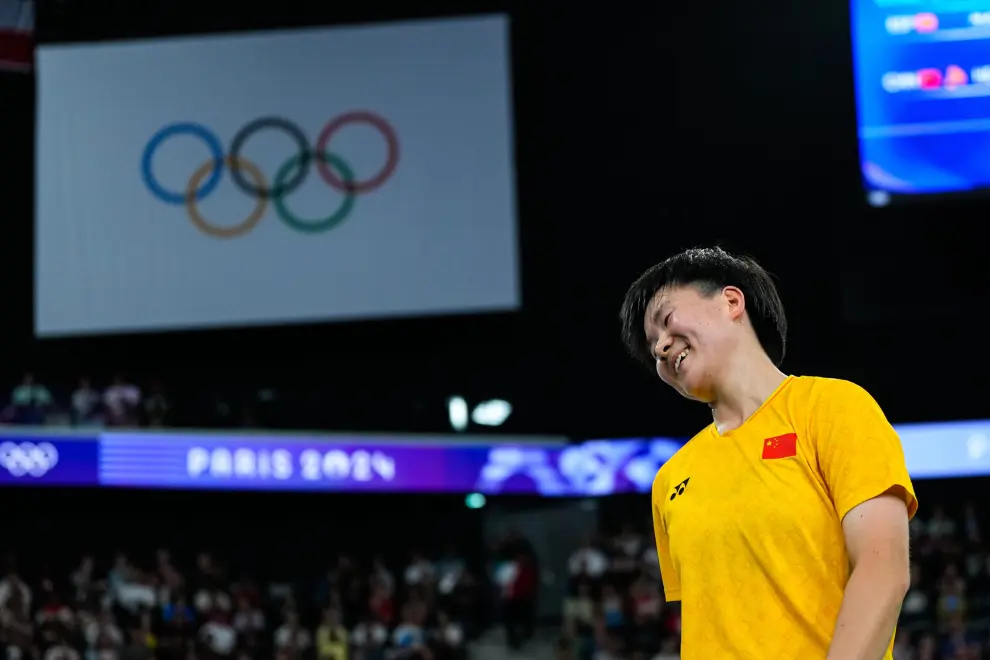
<point x="641" y="129"/>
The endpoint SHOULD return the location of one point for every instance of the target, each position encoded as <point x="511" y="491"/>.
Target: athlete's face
<point x="690" y="336"/>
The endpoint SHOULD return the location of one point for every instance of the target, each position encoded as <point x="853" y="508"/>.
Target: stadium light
<point x="457" y="411"/>
<point x="475" y="501"/>
<point x="491" y="413"/>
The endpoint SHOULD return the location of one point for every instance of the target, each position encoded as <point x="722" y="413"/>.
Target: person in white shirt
<point x="61" y="651"/>
<point x="449" y="635"/>
<point x="588" y="561"/>
<point x="219" y="635"/>
<point x="369" y="636"/>
<point x="290" y="636"/>
<point x="248" y="619"/>
<point x="102" y="628"/>
<point x="420" y="571"/>
<point x="122" y="401"/>
<point x="13" y="590"/>
<point x="210" y="600"/>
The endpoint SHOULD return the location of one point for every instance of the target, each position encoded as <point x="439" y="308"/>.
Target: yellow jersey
<point x="749" y="523"/>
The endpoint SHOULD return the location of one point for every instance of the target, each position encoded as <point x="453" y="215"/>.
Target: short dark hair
<point x="709" y="270"/>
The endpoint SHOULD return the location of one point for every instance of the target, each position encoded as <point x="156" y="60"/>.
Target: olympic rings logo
<point x="333" y="169"/>
<point x="28" y="458"/>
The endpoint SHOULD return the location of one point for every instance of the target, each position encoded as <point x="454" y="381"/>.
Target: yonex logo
<point x="679" y="488"/>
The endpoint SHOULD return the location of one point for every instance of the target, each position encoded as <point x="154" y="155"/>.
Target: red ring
<point x="359" y="117"/>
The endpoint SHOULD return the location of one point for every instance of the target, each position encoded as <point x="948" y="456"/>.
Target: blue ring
<point x="182" y="128"/>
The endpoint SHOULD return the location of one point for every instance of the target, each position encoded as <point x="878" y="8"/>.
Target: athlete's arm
<point x="876" y="534"/>
<point x="862" y="462"/>
<point x="668" y="574"/>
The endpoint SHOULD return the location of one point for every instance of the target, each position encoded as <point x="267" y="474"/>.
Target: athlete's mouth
<point x="680" y="359"/>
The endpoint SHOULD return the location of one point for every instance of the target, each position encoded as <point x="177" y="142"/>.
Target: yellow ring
<point x="242" y="227"/>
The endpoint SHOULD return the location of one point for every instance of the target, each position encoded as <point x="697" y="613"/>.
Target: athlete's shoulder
<point x="824" y="400"/>
<point x="674" y="463"/>
<point x="819" y="389"/>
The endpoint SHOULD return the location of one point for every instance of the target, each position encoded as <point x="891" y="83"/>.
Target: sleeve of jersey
<point x="859" y="453"/>
<point x="671" y="583"/>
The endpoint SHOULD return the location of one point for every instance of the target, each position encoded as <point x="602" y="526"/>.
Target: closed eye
<point x="666" y="319"/>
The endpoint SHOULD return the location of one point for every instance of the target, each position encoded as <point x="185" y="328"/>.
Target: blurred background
<point x="310" y="335"/>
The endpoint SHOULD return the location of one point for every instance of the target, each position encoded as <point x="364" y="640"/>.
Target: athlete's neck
<point x="747" y="383"/>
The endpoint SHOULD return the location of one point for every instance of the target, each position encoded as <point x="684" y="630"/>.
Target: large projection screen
<point x="293" y="176"/>
<point x="923" y="97"/>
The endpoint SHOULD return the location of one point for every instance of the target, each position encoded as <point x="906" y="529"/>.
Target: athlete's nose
<point x="663" y="348"/>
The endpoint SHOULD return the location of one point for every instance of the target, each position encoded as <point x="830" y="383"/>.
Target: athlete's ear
<point x="735" y="301"/>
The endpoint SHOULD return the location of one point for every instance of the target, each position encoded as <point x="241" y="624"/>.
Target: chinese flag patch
<point x="782" y="446"/>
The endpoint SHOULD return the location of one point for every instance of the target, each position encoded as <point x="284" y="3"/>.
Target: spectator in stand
<point x="331" y="637"/>
<point x="647" y="608"/>
<point x="247" y="618"/>
<point x="626" y="550"/>
<point x="420" y="571"/>
<point x="449" y="573"/>
<point x="381" y="575"/>
<point x="212" y="599"/>
<point x="940" y="526"/>
<point x="613" y="616"/>
<point x="916" y="611"/>
<point x="971" y="523"/>
<point x="587" y="563"/>
<point x="448" y="639"/>
<point x="519" y="601"/>
<point x="580" y="616"/>
<point x="143" y="640"/>
<point x="61" y="650"/>
<point x="15" y="605"/>
<point x="14" y="594"/>
<point x="54" y="621"/>
<point x="30" y="401"/>
<point x="128" y="586"/>
<point x="291" y="637"/>
<point x="409" y="637"/>
<point x="101" y="632"/>
<point x="157" y="406"/>
<point x="122" y="401"/>
<point x="218" y="636"/>
<point x="169" y="579"/>
<point x="668" y="650"/>
<point x="369" y="639"/>
<point x="86" y="405"/>
<point x="84" y="581"/>
<point x="381" y="605"/>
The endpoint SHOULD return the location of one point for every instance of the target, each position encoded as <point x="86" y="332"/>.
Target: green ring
<point x="318" y="225"/>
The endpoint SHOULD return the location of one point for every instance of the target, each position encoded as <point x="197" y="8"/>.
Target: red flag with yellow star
<point x="781" y="446"/>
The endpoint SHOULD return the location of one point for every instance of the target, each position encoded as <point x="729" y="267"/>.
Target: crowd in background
<point x="128" y="609"/>
<point x="363" y="610"/>
<point x="120" y="403"/>
<point x="184" y="402"/>
<point x="616" y="609"/>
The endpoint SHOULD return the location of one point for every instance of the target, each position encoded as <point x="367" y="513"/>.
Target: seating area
<point x="616" y="609"/>
<point x="200" y="583"/>
<point x="157" y="607"/>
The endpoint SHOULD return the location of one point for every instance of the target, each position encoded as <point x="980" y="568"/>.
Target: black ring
<point x="250" y="129"/>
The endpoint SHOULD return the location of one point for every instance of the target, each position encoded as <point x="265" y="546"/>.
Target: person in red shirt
<point x="519" y="602"/>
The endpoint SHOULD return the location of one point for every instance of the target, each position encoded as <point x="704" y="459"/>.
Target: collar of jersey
<point x="773" y="395"/>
